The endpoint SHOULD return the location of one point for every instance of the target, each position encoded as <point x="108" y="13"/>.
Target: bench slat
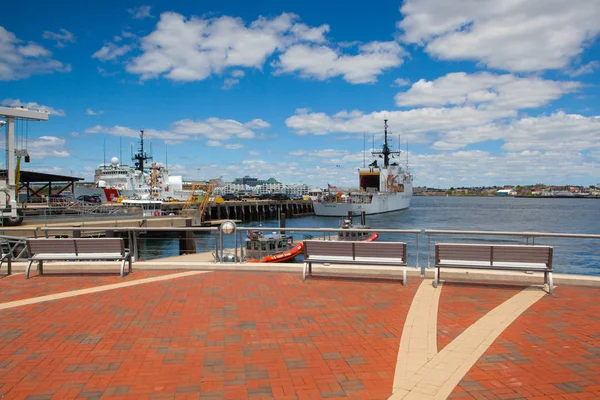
<point x="328" y="248"/>
<point x="37" y="246"/>
<point x="378" y="250"/>
<point x="99" y="245"/>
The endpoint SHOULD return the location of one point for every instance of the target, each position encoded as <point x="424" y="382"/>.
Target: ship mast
<point x="141" y="155"/>
<point x="386" y="152"/>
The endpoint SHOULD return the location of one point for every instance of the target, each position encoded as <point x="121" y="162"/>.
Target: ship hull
<point x="381" y="203"/>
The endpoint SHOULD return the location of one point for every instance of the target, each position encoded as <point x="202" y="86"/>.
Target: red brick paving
<point x="230" y="335"/>
<point x="16" y="287"/>
<point x="551" y="352"/>
<point x="463" y="303"/>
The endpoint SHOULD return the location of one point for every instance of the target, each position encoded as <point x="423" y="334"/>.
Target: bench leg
<point x="123" y="268"/>
<point x="9" y="264"/>
<point x="27" y="269"/>
<point x="436" y="274"/>
<point x="130" y="267"/>
<point x="41" y="267"/>
<point x="550" y="283"/>
<point x="404" y="276"/>
<point x="545" y="277"/>
<point x="310" y="268"/>
<point x="304" y="267"/>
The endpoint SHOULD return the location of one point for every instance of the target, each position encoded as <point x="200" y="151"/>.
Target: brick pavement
<point x="237" y="335"/>
<point x="551" y="352"/>
<point x="16" y="287"/>
<point x="229" y="335"/>
<point x="463" y="303"/>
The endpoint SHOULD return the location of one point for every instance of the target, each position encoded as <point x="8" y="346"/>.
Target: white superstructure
<point x="381" y="189"/>
<point x="140" y="183"/>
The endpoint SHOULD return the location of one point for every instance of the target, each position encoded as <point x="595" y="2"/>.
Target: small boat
<point x="272" y="248"/>
<point x="361" y="236"/>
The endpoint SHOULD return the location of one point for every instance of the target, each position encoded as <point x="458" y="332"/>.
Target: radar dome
<point x="114" y="161"/>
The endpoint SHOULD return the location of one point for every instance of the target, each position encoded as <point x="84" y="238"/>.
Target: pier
<point x="243" y="210"/>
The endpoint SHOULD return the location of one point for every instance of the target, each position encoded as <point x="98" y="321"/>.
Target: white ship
<point x="381" y="189"/>
<point x="115" y="181"/>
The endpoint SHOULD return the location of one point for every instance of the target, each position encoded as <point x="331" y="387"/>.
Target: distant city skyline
<point x="480" y="95"/>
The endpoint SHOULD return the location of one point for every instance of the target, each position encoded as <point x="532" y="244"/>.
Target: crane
<point x="191" y="199"/>
<point x="9" y="212"/>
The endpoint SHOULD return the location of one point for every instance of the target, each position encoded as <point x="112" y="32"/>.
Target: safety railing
<point x="154" y="242"/>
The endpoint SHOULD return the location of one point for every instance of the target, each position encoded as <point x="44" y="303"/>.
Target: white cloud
<point x="254" y="153"/>
<point x="19" y="60"/>
<point x="111" y="51"/>
<point x="257" y="123"/>
<point x="32" y="106"/>
<point x="464" y="168"/>
<point x="555" y="132"/>
<point x="61" y="38"/>
<point x="517" y="35"/>
<point x="323" y="62"/>
<point x="228" y="83"/>
<point x="141" y="12"/>
<point x="584" y="69"/>
<point x="236" y="74"/>
<point x="485" y="90"/>
<point x="193" y="49"/>
<point x="47" y="146"/>
<point x="214" y="129"/>
<point x="89" y="111"/>
<point x="412" y="124"/>
<point x="325" y="153"/>
<point x="401" y="82"/>
<point x="189" y="50"/>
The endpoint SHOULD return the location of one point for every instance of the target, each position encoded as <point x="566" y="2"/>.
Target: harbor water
<point x="507" y="214"/>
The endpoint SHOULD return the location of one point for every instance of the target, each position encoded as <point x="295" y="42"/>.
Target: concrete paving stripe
<point x="438" y="378"/>
<point x="418" y="344"/>
<point x="74" y="293"/>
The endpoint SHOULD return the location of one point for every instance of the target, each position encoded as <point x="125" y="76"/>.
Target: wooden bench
<point x="494" y="257"/>
<point x="79" y="249"/>
<point x="360" y="253"/>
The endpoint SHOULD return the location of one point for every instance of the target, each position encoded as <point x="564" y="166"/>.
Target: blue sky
<point x="484" y="95"/>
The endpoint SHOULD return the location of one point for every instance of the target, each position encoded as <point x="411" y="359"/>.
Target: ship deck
<point x="168" y="333"/>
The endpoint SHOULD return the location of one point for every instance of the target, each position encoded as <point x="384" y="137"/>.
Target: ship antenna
<point x="386" y="152"/>
<point x="167" y="156"/>
<point x="364" y="150"/>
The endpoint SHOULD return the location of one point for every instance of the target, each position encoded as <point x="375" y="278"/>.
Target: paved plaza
<point x="169" y="334"/>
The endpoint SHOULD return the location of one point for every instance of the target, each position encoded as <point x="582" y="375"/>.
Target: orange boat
<point x="271" y="248"/>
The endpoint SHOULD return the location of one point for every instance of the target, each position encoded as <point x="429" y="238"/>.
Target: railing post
<point x="428" y="251"/>
<point x="417" y="266"/>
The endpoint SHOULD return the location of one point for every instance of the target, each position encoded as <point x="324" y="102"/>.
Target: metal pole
<point x="428" y="250"/>
<point x="417" y="266"/>
<point x="221" y="243"/>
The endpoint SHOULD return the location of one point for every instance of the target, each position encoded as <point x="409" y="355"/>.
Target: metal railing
<point x="14" y="242"/>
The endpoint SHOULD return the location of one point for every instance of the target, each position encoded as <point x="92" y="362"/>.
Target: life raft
<point x="283" y="256"/>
